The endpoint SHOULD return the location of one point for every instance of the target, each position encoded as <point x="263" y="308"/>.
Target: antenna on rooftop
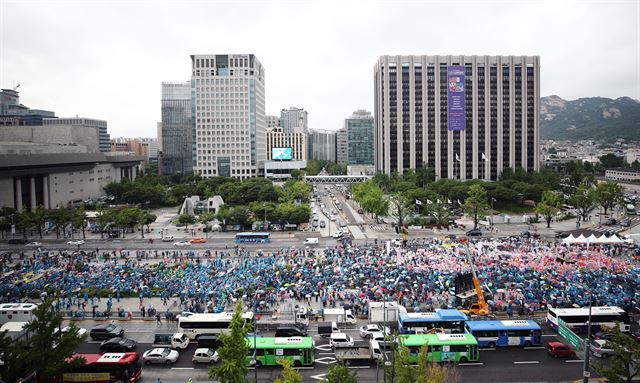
<point x="16" y="86"/>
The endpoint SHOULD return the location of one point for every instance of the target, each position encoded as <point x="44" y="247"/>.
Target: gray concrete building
<point x="273" y="122"/>
<point x="296" y="141"/>
<point x="294" y="120"/>
<point x="80" y="128"/>
<point x="229" y="94"/>
<point x="360" y="138"/>
<point x="342" y="146"/>
<point x="491" y="123"/>
<point x="323" y="145"/>
<point x="13" y="113"/>
<point x="177" y="129"/>
<point x="60" y="179"/>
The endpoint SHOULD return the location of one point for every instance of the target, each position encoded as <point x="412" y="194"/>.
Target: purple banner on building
<point x="455" y="98"/>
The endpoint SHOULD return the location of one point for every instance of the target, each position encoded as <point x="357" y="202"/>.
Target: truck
<point x="178" y="341"/>
<point x="377" y="312"/>
<point x="338" y="315"/>
<point x="15" y="330"/>
<point x="325" y="329"/>
<point x="360" y="351"/>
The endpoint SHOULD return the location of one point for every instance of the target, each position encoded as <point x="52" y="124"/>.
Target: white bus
<point x="16" y="312"/>
<point x="577" y="318"/>
<point x="194" y="325"/>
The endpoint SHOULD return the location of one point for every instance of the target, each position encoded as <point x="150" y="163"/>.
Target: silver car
<point x="205" y="355"/>
<point x="163" y="355"/>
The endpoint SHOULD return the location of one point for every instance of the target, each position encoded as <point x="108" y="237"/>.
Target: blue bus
<point x="253" y="238"/>
<point x="500" y="333"/>
<point x="449" y="321"/>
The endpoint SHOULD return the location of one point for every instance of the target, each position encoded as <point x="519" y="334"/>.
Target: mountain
<point x="595" y="118"/>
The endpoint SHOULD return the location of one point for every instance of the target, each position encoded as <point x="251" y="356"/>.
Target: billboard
<point x="282" y="154"/>
<point x="455" y="98"/>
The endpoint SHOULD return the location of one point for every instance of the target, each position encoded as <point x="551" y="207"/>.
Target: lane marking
<point x="471" y="364"/>
<point x="182" y="368"/>
<point x="534" y="348"/>
<point x="318" y="377"/>
<point x="527" y="362"/>
<point x="574" y="361"/>
<point x="304" y="368"/>
<point x="359" y="367"/>
<point x="326" y="353"/>
<point x="488" y="349"/>
<point x="548" y="335"/>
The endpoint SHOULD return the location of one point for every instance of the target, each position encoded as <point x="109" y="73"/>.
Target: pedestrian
<point x="143" y="310"/>
<point x="158" y="380"/>
<point x="158" y="321"/>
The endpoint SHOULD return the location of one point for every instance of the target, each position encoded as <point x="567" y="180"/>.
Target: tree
<point x="583" y="199"/>
<point x="289" y="374"/>
<point x="609" y="194"/>
<point x="399" y="209"/>
<point x="610" y="160"/>
<point x="61" y="217"/>
<point x="128" y="218"/>
<point x="549" y="206"/>
<point x="205" y="218"/>
<point x="78" y="220"/>
<point x="186" y="220"/>
<point x="39" y="218"/>
<point x="476" y="203"/>
<point x="401" y="370"/>
<point x="104" y="218"/>
<point x="45" y="352"/>
<point x="624" y="365"/>
<point x="234" y="350"/>
<point x="340" y="373"/>
<point x="146" y="219"/>
<point x="439" y="210"/>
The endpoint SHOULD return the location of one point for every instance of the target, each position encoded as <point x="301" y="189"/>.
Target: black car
<point x="611" y="222"/>
<point x="635" y="335"/>
<point x="17" y="241"/>
<point x="625" y="223"/>
<point x="602" y="335"/>
<point x="118" y="344"/>
<point x="290" y="331"/>
<point x="106" y="331"/>
<point x="474" y="233"/>
<point x="209" y="341"/>
<point x="525" y="234"/>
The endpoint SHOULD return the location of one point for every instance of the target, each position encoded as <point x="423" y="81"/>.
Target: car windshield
<point x="166" y="352"/>
<point x="111" y="327"/>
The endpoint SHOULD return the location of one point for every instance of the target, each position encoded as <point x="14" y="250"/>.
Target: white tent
<point x="569" y="239"/>
<point x="581" y="239"/>
<point x="614" y="239"/>
<point x="592" y="239"/>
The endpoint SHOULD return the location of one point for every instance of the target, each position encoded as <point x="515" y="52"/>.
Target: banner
<point x="455" y="98"/>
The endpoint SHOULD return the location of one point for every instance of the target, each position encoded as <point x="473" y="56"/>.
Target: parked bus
<point x="577" y="318"/>
<point x="298" y="350"/>
<point x="253" y="237"/>
<point x="448" y="320"/>
<point x="105" y="368"/>
<point x="194" y="325"/>
<point x="442" y="347"/>
<point x="16" y="312"/>
<point x="492" y="333"/>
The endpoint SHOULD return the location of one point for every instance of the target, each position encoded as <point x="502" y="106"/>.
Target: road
<point x="495" y="365"/>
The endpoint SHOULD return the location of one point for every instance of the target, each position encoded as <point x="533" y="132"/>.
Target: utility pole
<point x="587" y="350"/>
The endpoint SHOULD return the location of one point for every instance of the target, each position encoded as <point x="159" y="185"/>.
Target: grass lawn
<point x="514" y="209"/>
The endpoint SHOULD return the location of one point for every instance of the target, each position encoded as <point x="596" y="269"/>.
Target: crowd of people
<point x="523" y="274"/>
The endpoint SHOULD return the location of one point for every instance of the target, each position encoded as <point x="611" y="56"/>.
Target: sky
<point x="106" y="59"/>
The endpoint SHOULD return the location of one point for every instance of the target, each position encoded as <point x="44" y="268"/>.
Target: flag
<point x="484" y="158"/>
<point x="449" y="201"/>
<point x="457" y="157"/>
<point x="438" y="201"/>
<point x="429" y="202"/>
<point x="418" y="202"/>
<point x="458" y="202"/>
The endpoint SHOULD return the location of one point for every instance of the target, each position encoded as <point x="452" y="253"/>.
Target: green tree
<point x="104" y="218"/>
<point x="61" y="218"/>
<point x="186" y="220"/>
<point x="45" y="352"/>
<point x="78" y="220"/>
<point x="549" y="206"/>
<point x="205" y="218"/>
<point x="611" y="161"/>
<point x="609" y="194"/>
<point x="128" y="218"/>
<point x="234" y="350"/>
<point x="340" y="373"/>
<point x="584" y="200"/>
<point x="289" y="374"/>
<point x="399" y="209"/>
<point x="295" y="191"/>
<point x="39" y="217"/>
<point x="624" y="365"/>
<point x="146" y="219"/>
<point x="476" y="203"/>
<point x="438" y="209"/>
<point x="313" y="167"/>
<point x="242" y="216"/>
<point x="401" y="370"/>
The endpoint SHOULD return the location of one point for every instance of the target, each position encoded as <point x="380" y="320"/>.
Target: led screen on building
<point x="282" y="154"/>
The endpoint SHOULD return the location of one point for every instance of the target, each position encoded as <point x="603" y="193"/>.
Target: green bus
<point x="442" y="347"/>
<point x="299" y="350"/>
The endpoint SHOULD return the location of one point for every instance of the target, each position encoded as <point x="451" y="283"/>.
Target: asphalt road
<point x="495" y="365"/>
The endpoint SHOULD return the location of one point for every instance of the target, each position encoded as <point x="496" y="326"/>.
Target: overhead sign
<point x="569" y="335"/>
<point x="455" y="98"/>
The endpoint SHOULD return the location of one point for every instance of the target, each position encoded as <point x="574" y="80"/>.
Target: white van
<point x="311" y="241"/>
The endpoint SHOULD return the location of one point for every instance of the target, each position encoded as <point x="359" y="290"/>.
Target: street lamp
<point x="587" y="350"/>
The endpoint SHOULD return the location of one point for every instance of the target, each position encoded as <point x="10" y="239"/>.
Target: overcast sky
<point x="106" y="59"/>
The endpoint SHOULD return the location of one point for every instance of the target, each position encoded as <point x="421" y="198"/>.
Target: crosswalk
<point x="378" y="227"/>
<point x="615" y="228"/>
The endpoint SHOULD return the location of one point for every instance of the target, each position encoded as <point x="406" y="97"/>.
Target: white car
<point x="82" y="332"/>
<point x="368" y="329"/>
<point x="205" y="355"/>
<point x="76" y="243"/>
<point x="182" y="243"/>
<point x="160" y="355"/>
<point x="340" y="340"/>
<point x="33" y="244"/>
<point x="377" y="337"/>
<point x="167" y="238"/>
<point x="332" y="218"/>
<point x="337" y="234"/>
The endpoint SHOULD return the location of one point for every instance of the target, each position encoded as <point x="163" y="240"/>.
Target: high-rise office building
<point x="360" y="138"/>
<point x="79" y="125"/>
<point x="342" y="146"/>
<point x="323" y="145"/>
<point x="13" y="113"/>
<point x="273" y="122"/>
<point x="296" y="141"/>
<point x="229" y="115"/>
<point x="177" y="130"/>
<point x="465" y="116"/>
<point x="294" y="120"/>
